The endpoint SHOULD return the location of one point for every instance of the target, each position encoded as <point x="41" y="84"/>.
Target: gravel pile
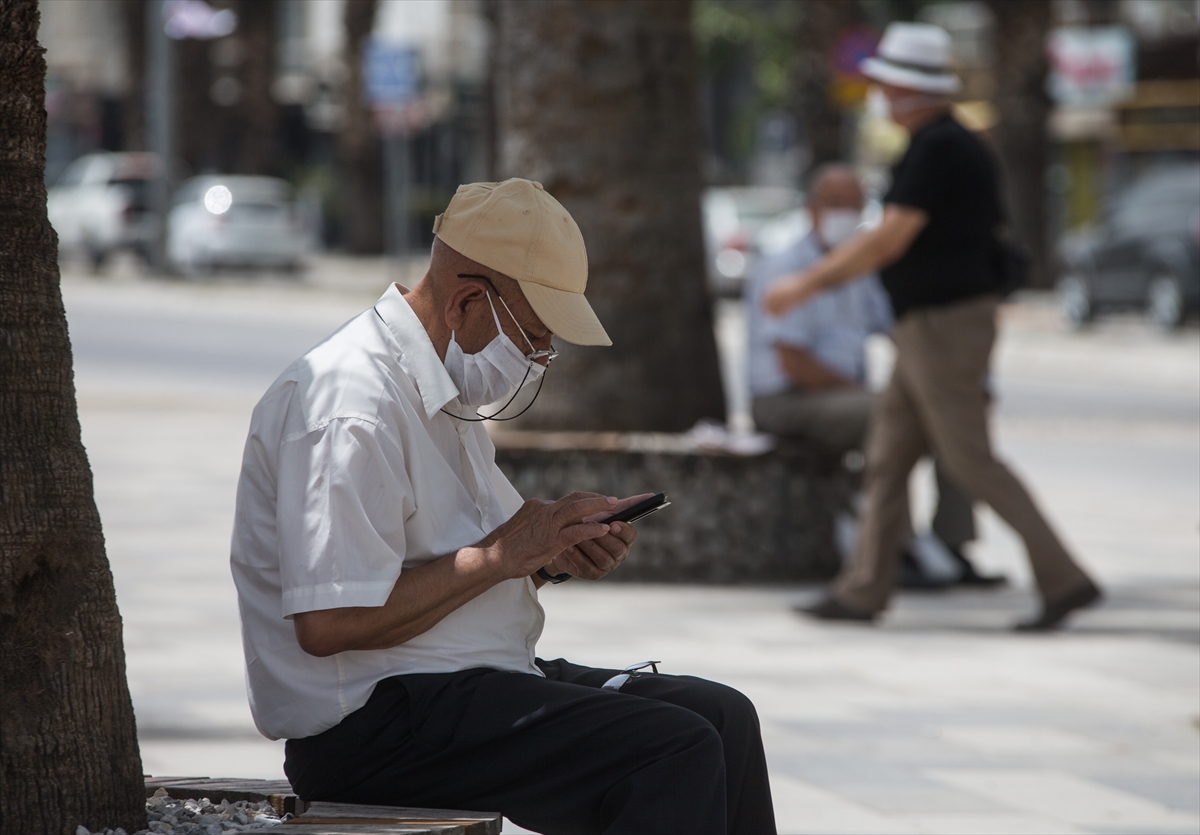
<point x="168" y="816"/>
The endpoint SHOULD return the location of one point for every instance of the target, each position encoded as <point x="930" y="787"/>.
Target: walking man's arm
<point x="863" y="254"/>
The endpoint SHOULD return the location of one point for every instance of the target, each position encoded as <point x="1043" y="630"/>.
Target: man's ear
<point x="459" y="302"/>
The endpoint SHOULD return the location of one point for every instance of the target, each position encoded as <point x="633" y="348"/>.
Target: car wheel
<point x="1075" y="301"/>
<point x="1164" y="301"/>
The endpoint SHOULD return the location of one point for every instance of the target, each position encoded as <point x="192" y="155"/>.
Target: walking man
<point x="936" y="247"/>
<point x="807" y="369"/>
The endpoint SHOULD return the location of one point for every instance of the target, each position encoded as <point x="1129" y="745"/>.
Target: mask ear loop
<point x="493" y="416"/>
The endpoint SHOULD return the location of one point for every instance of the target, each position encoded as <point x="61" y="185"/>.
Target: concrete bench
<point x="321" y="818"/>
<point x="733" y="519"/>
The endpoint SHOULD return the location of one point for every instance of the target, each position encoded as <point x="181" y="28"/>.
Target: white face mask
<point x="838" y="226"/>
<point x="493" y="373"/>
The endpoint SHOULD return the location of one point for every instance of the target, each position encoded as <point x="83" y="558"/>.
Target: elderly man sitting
<point x="388" y="573"/>
<point x="807" y="370"/>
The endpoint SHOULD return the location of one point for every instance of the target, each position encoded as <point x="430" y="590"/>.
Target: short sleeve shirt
<point x="833" y="327"/>
<point x="353" y="473"/>
<point x="949" y="174"/>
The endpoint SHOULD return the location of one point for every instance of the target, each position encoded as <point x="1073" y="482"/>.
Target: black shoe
<point x="833" y="609"/>
<point x="972" y="578"/>
<point x="1055" y="611"/>
<point x="912" y="578"/>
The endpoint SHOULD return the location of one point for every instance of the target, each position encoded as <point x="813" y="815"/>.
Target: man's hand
<point x="863" y="254"/>
<point x="591" y="559"/>
<point x="541" y="530"/>
<point x="789" y="292"/>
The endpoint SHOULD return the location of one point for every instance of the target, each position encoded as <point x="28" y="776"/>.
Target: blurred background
<point x="232" y="179"/>
<point x="371" y="112"/>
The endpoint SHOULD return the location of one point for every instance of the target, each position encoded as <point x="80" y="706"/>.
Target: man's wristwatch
<point x="553" y="578"/>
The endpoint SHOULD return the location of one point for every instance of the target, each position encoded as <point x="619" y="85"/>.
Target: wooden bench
<point x="320" y="818"/>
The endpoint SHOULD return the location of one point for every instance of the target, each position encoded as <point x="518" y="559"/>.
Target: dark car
<point x="1146" y="254"/>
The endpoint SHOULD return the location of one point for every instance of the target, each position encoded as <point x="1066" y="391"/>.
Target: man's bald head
<point x="835" y="186"/>
<point x="446" y="264"/>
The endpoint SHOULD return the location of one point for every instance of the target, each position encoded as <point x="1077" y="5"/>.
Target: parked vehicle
<point x="1146" y="254"/>
<point x="733" y="217"/>
<point x="220" y="221"/>
<point x="100" y="205"/>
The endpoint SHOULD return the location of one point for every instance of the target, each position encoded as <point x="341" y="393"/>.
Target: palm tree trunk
<point x="68" y="744"/>
<point x="598" y="101"/>
<point x="821" y="119"/>
<point x="1023" y="107"/>
<point x="258" y="151"/>
<point x="358" y="142"/>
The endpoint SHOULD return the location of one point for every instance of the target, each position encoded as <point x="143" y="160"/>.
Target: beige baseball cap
<point x="518" y="229"/>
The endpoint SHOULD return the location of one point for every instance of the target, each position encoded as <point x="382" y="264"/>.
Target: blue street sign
<point x="391" y="73"/>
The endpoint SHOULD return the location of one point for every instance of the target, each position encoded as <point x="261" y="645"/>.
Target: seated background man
<point x="388" y="573"/>
<point x="807" y="369"/>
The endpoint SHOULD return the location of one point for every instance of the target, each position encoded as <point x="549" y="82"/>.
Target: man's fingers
<point x="570" y="509"/>
<point x="623" y="531"/>
<point x="574" y="534"/>
<point x="598" y="554"/>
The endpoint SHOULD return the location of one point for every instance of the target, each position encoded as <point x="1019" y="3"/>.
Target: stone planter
<point x="733" y="519"/>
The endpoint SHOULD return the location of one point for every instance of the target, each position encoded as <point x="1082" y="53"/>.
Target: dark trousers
<point x="667" y="754"/>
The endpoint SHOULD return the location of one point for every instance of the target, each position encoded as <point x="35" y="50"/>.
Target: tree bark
<point x="1023" y="107"/>
<point x="358" y="142"/>
<point x="133" y="106"/>
<point x="821" y="120"/>
<point x="68" y="744"/>
<point x="257" y="149"/>
<point x="598" y="100"/>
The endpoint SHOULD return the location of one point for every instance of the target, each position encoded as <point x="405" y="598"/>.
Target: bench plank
<point x="325" y="818"/>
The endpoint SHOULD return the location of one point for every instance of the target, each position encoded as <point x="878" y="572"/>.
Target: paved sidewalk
<point x="937" y="720"/>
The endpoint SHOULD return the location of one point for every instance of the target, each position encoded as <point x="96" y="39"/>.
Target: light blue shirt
<point x="833" y="327"/>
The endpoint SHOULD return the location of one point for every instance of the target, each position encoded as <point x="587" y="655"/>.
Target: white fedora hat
<point x="915" y="56"/>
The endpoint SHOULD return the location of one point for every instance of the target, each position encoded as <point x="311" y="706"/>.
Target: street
<point x="938" y="720"/>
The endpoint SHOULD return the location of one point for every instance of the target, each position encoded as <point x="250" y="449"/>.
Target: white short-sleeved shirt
<point x="352" y="473"/>
<point x="834" y="326"/>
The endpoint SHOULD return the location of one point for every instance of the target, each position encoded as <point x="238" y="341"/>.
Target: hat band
<point x="924" y="69"/>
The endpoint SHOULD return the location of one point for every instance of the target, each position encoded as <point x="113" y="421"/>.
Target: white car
<point x="100" y="204"/>
<point x="234" y="221"/>
<point x="733" y="217"/>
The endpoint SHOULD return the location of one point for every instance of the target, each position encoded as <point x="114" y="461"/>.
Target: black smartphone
<point x="632" y="514"/>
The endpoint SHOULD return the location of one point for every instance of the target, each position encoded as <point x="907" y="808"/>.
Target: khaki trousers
<point x="936" y="403"/>
<point x="836" y="421"/>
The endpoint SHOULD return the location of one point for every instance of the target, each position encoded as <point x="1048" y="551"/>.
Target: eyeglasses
<point x="632" y="671"/>
<point x="536" y="355"/>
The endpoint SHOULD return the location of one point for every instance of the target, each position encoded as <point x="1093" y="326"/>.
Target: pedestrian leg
<point x="954" y="521"/>
<point x="948" y="351"/>
<point x="895" y="442"/>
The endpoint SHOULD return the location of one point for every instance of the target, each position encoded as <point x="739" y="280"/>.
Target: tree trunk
<point x="1022" y="134"/>
<point x="358" y="142"/>
<point x="133" y="106"/>
<point x="598" y="101"/>
<point x="258" y="151"/>
<point x="821" y="119"/>
<point x="68" y="744"/>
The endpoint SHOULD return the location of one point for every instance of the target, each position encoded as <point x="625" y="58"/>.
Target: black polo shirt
<point x="948" y="173"/>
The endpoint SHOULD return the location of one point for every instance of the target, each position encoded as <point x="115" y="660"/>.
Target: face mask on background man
<point x="837" y="226"/>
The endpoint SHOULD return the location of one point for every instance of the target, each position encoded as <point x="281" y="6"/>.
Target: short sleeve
<point x="920" y="180"/>
<point x="343" y="497"/>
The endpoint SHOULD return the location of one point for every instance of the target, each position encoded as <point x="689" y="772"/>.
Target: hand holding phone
<point x="631" y="514"/>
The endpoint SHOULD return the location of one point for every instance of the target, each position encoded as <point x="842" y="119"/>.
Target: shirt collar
<point x="428" y="373"/>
